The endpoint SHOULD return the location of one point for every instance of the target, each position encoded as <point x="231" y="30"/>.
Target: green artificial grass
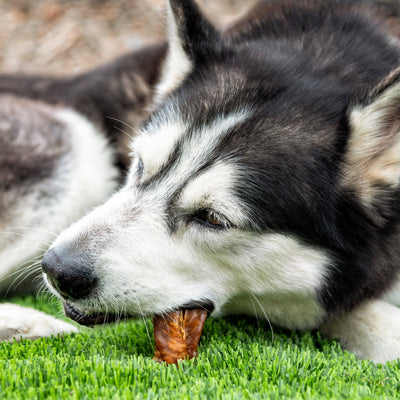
<point x="237" y="359"/>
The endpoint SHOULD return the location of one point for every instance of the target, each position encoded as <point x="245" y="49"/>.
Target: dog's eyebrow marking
<point x="215" y="189"/>
<point x="156" y="146"/>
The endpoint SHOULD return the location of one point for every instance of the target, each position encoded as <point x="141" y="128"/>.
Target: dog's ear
<point x="372" y="159"/>
<point x="192" y="39"/>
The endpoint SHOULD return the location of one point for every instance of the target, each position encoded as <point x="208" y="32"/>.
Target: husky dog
<point x="266" y="180"/>
<point x="63" y="151"/>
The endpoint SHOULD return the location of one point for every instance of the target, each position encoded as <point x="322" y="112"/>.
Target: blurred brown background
<point x="64" y="36"/>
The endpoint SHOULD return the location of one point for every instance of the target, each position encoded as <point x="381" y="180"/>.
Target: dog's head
<point x="238" y="188"/>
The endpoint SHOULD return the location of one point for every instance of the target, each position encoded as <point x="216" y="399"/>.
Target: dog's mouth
<point x="92" y="318"/>
<point x="101" y="318"/>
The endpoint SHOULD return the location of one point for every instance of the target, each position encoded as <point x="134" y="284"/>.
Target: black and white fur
<point x="266" y="181"/>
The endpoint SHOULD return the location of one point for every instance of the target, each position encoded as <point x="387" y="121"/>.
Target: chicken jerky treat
<point x="177" y="334"/>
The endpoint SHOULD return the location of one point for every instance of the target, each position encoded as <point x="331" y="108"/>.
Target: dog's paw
<point x="18" y="323"/>
<point x="371" y="331"/>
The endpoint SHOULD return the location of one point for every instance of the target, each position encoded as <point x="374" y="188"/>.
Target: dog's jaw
<point x="91" y="318"/>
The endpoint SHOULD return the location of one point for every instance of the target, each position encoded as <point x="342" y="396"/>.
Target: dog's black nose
<point x="71" y="275"/>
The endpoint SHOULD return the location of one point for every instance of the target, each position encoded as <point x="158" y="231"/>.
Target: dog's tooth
<point x="177" y="334"/>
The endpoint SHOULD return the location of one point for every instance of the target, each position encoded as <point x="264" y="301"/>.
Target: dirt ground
<point x="65" y="36"/>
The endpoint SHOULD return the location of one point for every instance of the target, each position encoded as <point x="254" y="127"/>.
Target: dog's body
<point x="266" y="181"/>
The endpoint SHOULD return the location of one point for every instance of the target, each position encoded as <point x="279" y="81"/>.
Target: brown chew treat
<point x="177" y="334"/>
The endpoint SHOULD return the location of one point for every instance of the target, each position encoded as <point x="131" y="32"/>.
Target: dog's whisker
<point x="20" y="280"/>
<point x="266" y="317"/>
<point x="124" y="132"/>
<point x="31" y="228"/>
<point x="255" y="312"/>
<point x="32" y="266"/>
<point x="19" y="248"/>
<point x="38" y="278"/>
<point x="199" y="304"/>
<point x="143" y="318"/>
<point x="124" y="123"/>
<point x="120" y="313"/>
<point x="25" y="272"/>
<point x="44" y="292"/>
<point x="25" y="236"/>
<point x="22" y="269"/>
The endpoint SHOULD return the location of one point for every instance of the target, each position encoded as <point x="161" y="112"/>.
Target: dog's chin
<point x="92" y="318"/>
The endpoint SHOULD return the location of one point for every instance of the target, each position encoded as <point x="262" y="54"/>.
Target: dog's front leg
<point x="372" y="331"/>
<point x="18" y="323"/>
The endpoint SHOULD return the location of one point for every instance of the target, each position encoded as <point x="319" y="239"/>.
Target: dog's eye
<point x="211" y="219"/>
